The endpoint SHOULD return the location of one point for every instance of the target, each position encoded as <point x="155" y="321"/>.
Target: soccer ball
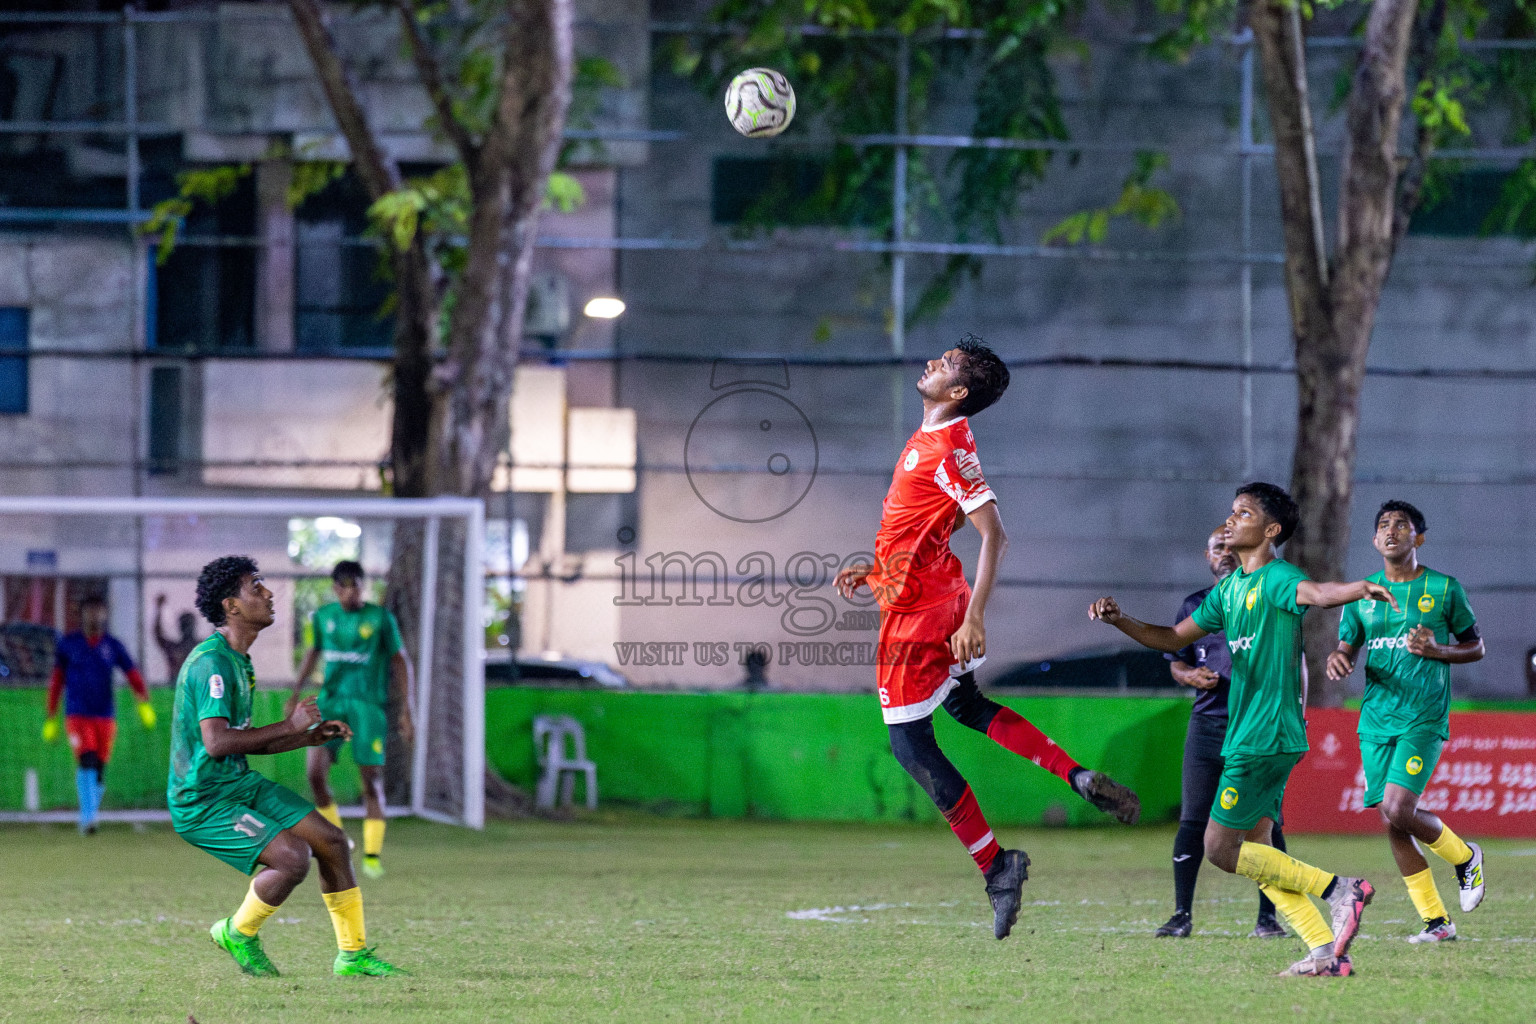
<point x="760" y="103"/>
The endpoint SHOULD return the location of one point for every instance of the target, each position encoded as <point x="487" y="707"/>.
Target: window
<point x="338" y="288"/>
<point x="205" y="293"/>
<point x="14" y="326"/>
<point x="165" y="413"/>
<point x="1469" y="199"/>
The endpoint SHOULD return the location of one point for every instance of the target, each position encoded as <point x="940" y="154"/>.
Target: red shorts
<point x="89" y="734"/>
<point x="914" y="668"/>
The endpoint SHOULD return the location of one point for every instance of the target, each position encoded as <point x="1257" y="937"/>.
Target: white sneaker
<point x="1444" y="931"/>
<point x="1469" y="877"/>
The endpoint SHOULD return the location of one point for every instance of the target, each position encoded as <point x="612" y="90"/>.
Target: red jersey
<point x="938" y="471"/>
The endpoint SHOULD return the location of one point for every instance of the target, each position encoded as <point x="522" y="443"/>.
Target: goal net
<point x="423" y="559"/>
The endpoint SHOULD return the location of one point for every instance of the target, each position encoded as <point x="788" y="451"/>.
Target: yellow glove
<point x="147" y="714"/>
<point x="50" y="730"/>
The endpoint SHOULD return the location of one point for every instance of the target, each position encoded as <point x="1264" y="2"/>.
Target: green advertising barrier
<point x="787" y="756"/>
<point x="826" y="757"/>
<point x="140" y="758"/>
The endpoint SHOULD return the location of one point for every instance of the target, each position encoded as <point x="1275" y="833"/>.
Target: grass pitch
<point x="630" y="918"/>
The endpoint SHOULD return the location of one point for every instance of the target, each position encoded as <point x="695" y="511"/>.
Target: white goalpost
<point x="131" y="546"/>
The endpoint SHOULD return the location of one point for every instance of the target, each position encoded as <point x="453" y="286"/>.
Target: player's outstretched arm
<point x="1159" y="638"/>
<point x="1421" y="641"/>
<point x="1341" y="660"/>
<point x="221" y="740"/>
<point x="1331" y="595"/>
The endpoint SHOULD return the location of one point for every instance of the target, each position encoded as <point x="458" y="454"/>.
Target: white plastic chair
<point x="560" y="768"/>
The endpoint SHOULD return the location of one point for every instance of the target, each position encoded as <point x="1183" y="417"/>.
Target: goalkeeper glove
<point x="50" y="730"/>
<point x="147" y="714"/>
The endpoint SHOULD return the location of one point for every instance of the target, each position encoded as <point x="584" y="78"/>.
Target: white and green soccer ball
<point x="760" y="103"/>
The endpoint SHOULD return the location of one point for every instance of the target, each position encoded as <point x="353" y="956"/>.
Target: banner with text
<point x="1485" y="782"/>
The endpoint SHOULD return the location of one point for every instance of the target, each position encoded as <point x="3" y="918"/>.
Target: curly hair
<point x="1277" y="504"/>
<point x="1414" y="515"/>
<point x="221" y="579"/>
<point x="983" y="373"/>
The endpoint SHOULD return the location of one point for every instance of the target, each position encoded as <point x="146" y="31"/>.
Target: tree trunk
<point x="507" y="182"/>
<point x="1333" y="306"/>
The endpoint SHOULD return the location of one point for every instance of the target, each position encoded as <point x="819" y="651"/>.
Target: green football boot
<point x="371" y="867"/>
<point x="364" y="962"/>
<point x="247" y="951"/>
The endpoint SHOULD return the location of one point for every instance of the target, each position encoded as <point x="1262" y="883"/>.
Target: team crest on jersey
<point x="216" y="686"/>
<point x="1415" y="765"/>
<point x="1228" y="798"/>
<point x="365" y="631"/>
<point x="378" y="745"/>
<point x="910" y="461"/>
<point x="1253" y="595"/>
<point x="1426" y="604"/>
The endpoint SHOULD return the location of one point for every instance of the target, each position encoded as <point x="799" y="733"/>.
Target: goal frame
<point x="431" y="512"/>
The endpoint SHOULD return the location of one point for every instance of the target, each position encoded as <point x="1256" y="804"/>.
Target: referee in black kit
<point x="1205" y="665"/>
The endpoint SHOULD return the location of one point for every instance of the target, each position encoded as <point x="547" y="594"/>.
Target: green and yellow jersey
<point x="1405" y="693"/>
<point x="356" y="648"/>
<point x="1262" y="621"/>
<point x="216" y="681"/>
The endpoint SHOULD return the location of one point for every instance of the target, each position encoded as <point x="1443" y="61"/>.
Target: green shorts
<point x="370" y="727"/>
<point x="1406" y="761"/>
<point x="237" y="823"/>
<point x="1251" y="787"/>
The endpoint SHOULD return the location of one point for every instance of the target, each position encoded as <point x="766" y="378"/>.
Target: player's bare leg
<point x="372" y="777"/>
<point x="1287" y="882"/>
<point x="338" y="887"/>
<point x="1406" y="822"/>
<point x="284" y="864"/>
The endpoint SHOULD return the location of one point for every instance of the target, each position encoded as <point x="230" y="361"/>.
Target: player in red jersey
<point x="932" y="635"/>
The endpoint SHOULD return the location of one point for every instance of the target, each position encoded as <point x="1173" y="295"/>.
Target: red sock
<point x="1011" y="730"/>
<point x="972" y="829"/>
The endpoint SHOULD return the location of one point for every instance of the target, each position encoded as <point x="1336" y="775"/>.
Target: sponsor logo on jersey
<point x="1253" y="595"/>
<point x="346" y="657"/>
<point x="1415" y="765"/>
<point x="1242" y="643"/>
<point x="910" y="461"/>
<point x="1426" y="604"/>
<point x="216" y="686"/>
<point x="1229" y="798"/>
<point x="1387" y="643"/>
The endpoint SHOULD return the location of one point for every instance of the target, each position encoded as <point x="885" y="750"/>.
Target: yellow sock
<point x="1268" y="866"/>
<point x="1426" y="898"/>
<point x="331" y="813"/>
<point x="253" y="913"/>
<point x="373" y="836"/>
<point x="346" y="909"/>
<point x="1302" y="915"/>
<point x="1449" y="847"/>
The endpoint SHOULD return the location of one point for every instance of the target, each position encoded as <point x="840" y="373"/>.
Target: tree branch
<point x="1421" y="63"/>
<point x="1368" y="182"/>
<point x="378" y="172"/>
<point x="1306" y="273"/>
<point x="432" y="80"/>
